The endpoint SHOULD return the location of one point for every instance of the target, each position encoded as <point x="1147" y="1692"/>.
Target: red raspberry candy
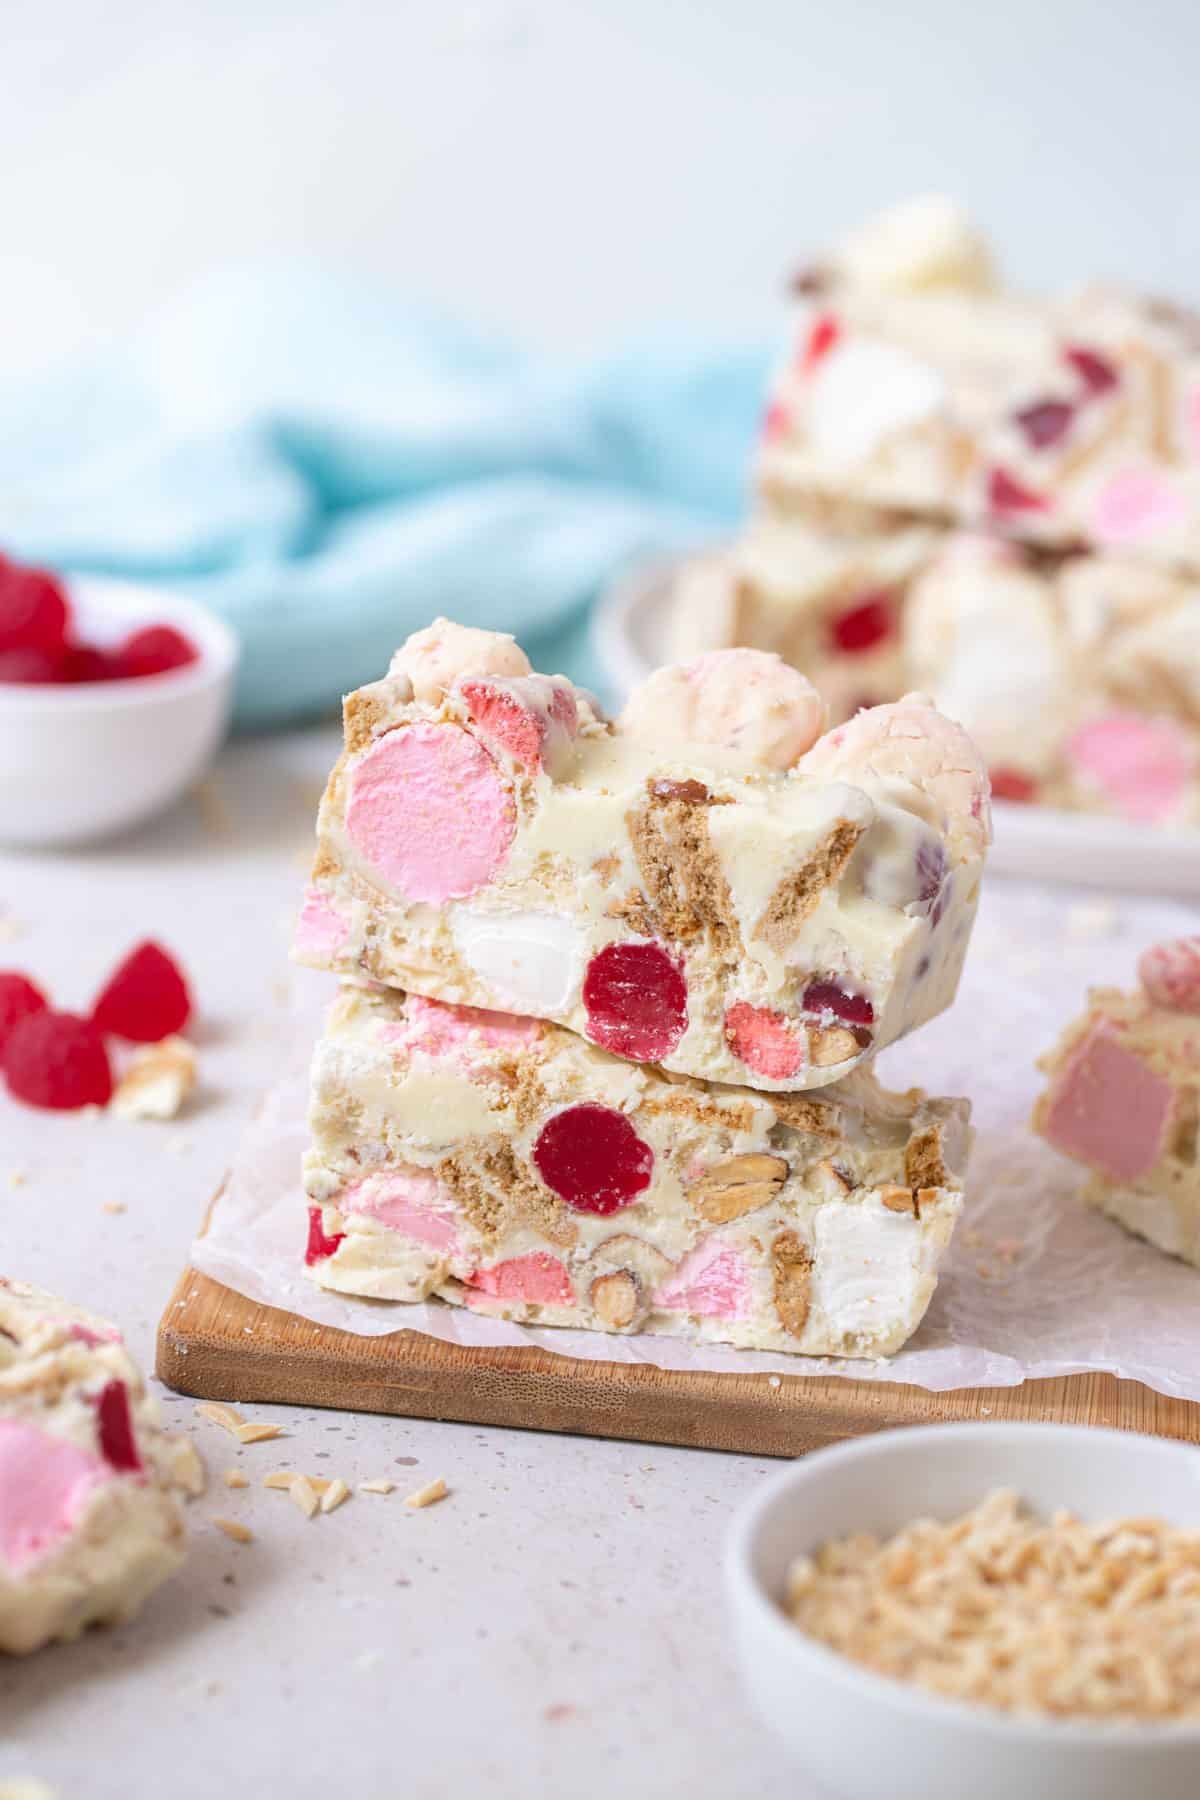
<point x="1006" y="495"/>
<point x="593" y="1159"/>
<point x="636" y="1000"/>
<point x="826" y="997"/>
<point x="154" y="650"/>
<point x="33" y="610"/>
<point x="18" y="999"/>
<point x="863" y="626"/>
<point x="86" y="662"/>
<point x="31" y="666"/>
<point x="1095" y="371"/>
<point x="823" y="335"/>
<point x="319" y="1245"/>
<point x="1011" y="784"/>
<point x="57" y="1060"/>
<point x="1045" y="422"/>
<point x="146" y="999"/>
<point x="114" y="1428"/>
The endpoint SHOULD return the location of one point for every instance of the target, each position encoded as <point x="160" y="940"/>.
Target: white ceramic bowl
<point x="82" y="762"/>
<point x="870" y="1738"/>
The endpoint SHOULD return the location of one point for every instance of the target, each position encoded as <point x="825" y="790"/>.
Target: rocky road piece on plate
<point x="710" y="884"/>
<point x="1123" y="1099"/>
<point x="915" y="382"/>
<point x="90" y="1521"/>
<point x="1077" y="677"/>
<point x="507" y="1165"/>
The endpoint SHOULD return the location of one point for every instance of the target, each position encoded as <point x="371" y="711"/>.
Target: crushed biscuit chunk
<point x="157" y="1081"/>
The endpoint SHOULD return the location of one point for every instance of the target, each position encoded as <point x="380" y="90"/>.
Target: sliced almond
<point x="334" y="1494"/>
<point x="234" y="1478"/>
<point x="379" y="1485"/>
<point x="225" y="1416"/>
<point x="898" y="1199"/>
<point x="233" y="1528"/>
<point x="305" y="1495"/>
<point x="257" y="1434"/>
<point x="791" y="1261"/>
<point x="738" y="1186"/>
<point x="425" y="1496"/>
<point x="280" y="1478"/>
<point x="617" y="1298"/>
<point x="830" y="1044"/>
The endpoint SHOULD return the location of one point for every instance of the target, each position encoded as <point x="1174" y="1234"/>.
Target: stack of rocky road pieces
<point x="601" y="1053"/>
<point x="989" y="497"/>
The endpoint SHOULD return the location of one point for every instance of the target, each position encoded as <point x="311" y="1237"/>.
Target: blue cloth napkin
<point x="329" y="471"/>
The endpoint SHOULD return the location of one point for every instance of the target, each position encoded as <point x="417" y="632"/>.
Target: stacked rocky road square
<point x="610" y="992"/>
<point x="992" y="497"/>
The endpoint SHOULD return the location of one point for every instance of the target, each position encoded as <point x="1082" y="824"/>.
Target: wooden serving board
<point x="217" y="1345"/>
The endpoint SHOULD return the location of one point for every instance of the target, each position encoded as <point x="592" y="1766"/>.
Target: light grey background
<point x="572" y="172"/>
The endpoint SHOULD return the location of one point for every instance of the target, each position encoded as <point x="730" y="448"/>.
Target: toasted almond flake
<point x="157" y="1081"/>
<point x="334" y="1494"/>
<point x="252" y="1433"/>
<point x="235" y="1478"/>
<point x="225" y="1416"/>
<point x="233" y="1528"/>
<point x="379" y="1485"/>
<point x="281" y="1478"/>
<point x="304" y="1494"/>
<point x="114" y="1206"/>
<point x="425" y="1496"/>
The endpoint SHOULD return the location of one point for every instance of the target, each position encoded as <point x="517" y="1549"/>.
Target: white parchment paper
<point x="1034" y="1284"/>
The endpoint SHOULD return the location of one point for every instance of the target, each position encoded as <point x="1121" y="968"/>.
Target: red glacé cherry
<point x="593" y="1159"/>
<point x="114" y="1428"/>
<point x="320" y="1244"/>
<point x="636" y="1000"/>
<point x="863" y="626"/>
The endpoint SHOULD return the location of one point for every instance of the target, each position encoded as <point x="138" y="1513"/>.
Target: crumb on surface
<point x="234" y="1478"/>
<point x="1015" y="1612"/>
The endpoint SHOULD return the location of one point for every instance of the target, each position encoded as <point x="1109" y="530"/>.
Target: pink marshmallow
<point x="437" y="1029"/>
<point x="412" y="1202"/>
<point x="430" y="812"/>
<point x="1133" y="504"/>
<point x="45" y="1484"/>
<point x="538" y="1279"/>
<point x="766" y="1041"/>
<point x="1170" y="974"/>
<point x="531" y="718"/>
<point x="1142" y="765"/>
<point x="1108" y="1109"/>
<point x="711" y="1281"/>
<point x="321" y="930"/>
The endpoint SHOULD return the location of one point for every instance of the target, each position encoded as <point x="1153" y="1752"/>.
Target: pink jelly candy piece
<point x="712" y="1281"/>
<point x="863" y="626"/>
<point x="1170" y="974"/>
<point x="1045" y="422"/>
<point x="537" y="1278"/>
<point x="320" y="1244"/>
<point x="766" y="1041"/>
<point x="1142" y="765"/>
<point x="1108" y="1109"/>
<point x="321" y="930"/>
<point x="593" y="1159"/>
<point x="1095" y="371"/>
<point x="114" y="1428"/>
<point x="530" y="717"/>
<point x="1005" y="494"/>
<point x="636" y="1000"/>
<point x="45" y="1483"/>
<point x="410" y="1201"/>
<point x="430" y="812"/>
<point x="1134" y="504"/>
<point x="822" y="336"/>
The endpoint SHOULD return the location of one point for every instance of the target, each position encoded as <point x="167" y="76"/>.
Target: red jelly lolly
<point x="114" y="1428"/>
<point x="636" y="1000"/>
<point x="319" y="1244"/>
<point x="593" y="1159"/>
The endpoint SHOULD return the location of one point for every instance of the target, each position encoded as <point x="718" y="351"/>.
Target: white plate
<point x="631" y="633"/>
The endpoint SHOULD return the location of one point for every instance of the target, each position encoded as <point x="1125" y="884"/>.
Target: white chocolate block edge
<point x="507" y="1165"/>
<point x="90" y="1521"/>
